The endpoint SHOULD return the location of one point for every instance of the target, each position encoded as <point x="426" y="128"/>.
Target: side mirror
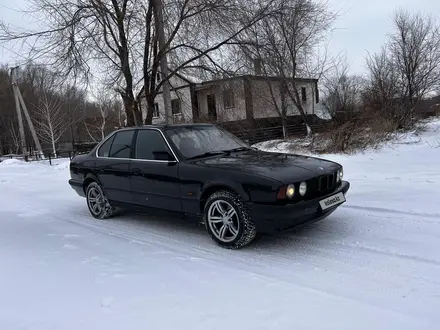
<point x="163" y="155"/>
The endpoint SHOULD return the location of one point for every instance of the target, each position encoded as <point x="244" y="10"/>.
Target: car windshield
<point x="199" y="141"/>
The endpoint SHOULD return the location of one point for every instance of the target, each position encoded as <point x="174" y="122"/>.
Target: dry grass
<point x="354" y="136"/>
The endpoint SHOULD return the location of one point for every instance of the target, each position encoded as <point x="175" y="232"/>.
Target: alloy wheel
<point x="96" y="201"/>
<point x="223" y="221"/>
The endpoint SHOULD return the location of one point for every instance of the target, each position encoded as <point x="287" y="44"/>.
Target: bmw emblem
<point x="321" y="168"/>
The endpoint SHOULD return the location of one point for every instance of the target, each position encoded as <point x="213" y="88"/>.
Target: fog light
<point x="303" y="188"/>
<point x="290" y="191"/>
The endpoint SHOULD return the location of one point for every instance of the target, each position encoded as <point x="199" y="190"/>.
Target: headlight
<point x="303" y="188"/>
<point x="290" y="191"/>
<point x="340" y="174"/>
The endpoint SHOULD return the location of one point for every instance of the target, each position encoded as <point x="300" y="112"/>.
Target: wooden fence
<point x="262" y="134"/>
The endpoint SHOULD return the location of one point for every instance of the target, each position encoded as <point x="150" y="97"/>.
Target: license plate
<point x="332" y="201"/>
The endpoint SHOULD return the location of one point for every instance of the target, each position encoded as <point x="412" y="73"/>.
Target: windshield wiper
<point x="207" y="154"/>
<point x="238" y="149"/>
<point x="220" y="152"/>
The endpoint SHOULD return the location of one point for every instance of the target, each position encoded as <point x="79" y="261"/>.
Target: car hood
<point x="285" y="168"/>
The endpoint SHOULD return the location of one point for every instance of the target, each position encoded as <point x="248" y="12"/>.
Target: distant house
<point x="239" y="98"/>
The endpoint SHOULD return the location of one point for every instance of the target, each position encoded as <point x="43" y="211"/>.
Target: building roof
<point x="258" y="77"/>
<point x="203" y="84"/>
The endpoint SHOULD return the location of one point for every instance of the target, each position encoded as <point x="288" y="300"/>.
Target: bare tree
<point x="407" y="69"/>
<point x="99" y="125"/>
<point x="342" y="92"/>
<point x="287" y="42"/>
<point x="51" y="119"/>
<point x="75" y="104"/>
<point x="118" y="113"/>
<point x="101" y="120"/>
<point x="118" y="39"/>
<point x="37" y="82"/>
<point x="415" y="50"/>
<point x="383" y="77"/>
<point x="383" y="92"/>
<point x="197" y="31"/>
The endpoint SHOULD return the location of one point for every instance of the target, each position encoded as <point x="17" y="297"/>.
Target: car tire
<point x="97" y="202"/>
<point x="227" y="220"/>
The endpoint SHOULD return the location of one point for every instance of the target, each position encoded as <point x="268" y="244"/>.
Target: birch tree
<point x="107" y="112"/>
<point x="99" y="125"/>
<point x="51" y="119"/>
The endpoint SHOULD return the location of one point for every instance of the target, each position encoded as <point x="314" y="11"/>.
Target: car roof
<point x="165" y="126"/>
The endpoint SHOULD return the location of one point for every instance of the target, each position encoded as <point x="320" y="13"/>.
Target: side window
<point x="104" y="149"/>
<point x="121" y="146"/>
<point x="150" y="145"/>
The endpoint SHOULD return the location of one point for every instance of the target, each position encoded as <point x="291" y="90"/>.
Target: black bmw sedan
<point x="205" y="173"/>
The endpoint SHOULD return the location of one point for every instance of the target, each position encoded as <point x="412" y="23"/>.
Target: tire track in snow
<point x="329" y="267"/>
<point x="305" y="243"/>
<point x="393" y="211"/>
<point x="379" y="278"/>
<point x="360" y="246"/>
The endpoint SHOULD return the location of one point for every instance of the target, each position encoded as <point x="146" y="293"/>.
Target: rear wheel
<point x="227" y="220"/>
<point x="98" y="204"/>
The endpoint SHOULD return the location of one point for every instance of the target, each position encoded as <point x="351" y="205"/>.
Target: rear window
<point x="105" y="148"/>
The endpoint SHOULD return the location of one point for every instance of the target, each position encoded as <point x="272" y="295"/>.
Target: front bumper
<point x="78" y="187"/>
<point x="276" y="218"/>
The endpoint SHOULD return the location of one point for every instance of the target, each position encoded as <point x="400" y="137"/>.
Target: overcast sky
<point x="362" y="25"/>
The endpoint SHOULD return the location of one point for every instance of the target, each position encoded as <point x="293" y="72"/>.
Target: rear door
<point x="154" y="175"/>
<point x="113" y="166"/>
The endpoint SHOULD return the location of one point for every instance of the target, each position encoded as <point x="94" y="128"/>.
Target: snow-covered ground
<point x="373" y="264"/>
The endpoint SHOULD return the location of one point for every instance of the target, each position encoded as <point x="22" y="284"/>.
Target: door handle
<point x="136" y="171"/>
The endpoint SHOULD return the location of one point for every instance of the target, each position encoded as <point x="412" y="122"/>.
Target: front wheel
<point x="227" y="220"/>
<point x="98" y="204"/>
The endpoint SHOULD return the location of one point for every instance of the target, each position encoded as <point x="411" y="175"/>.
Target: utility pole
<point x="17" y="108"/>
<point x="158" y="5"/>
<point x="19" y="101"/>
<point x="31" y="125"/>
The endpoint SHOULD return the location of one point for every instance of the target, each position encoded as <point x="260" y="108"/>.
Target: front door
<point x="113" y="165"/>
<point x="154" y="175"/>
<point x="212" y="110"/>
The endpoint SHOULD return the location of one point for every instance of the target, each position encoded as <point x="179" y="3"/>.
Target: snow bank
<point x="12" y="161"/>
<point x="60" y="164"/>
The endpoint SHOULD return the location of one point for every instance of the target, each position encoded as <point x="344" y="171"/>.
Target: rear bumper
<point x="78" y="187"/>
<point x="275" y="218"/>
